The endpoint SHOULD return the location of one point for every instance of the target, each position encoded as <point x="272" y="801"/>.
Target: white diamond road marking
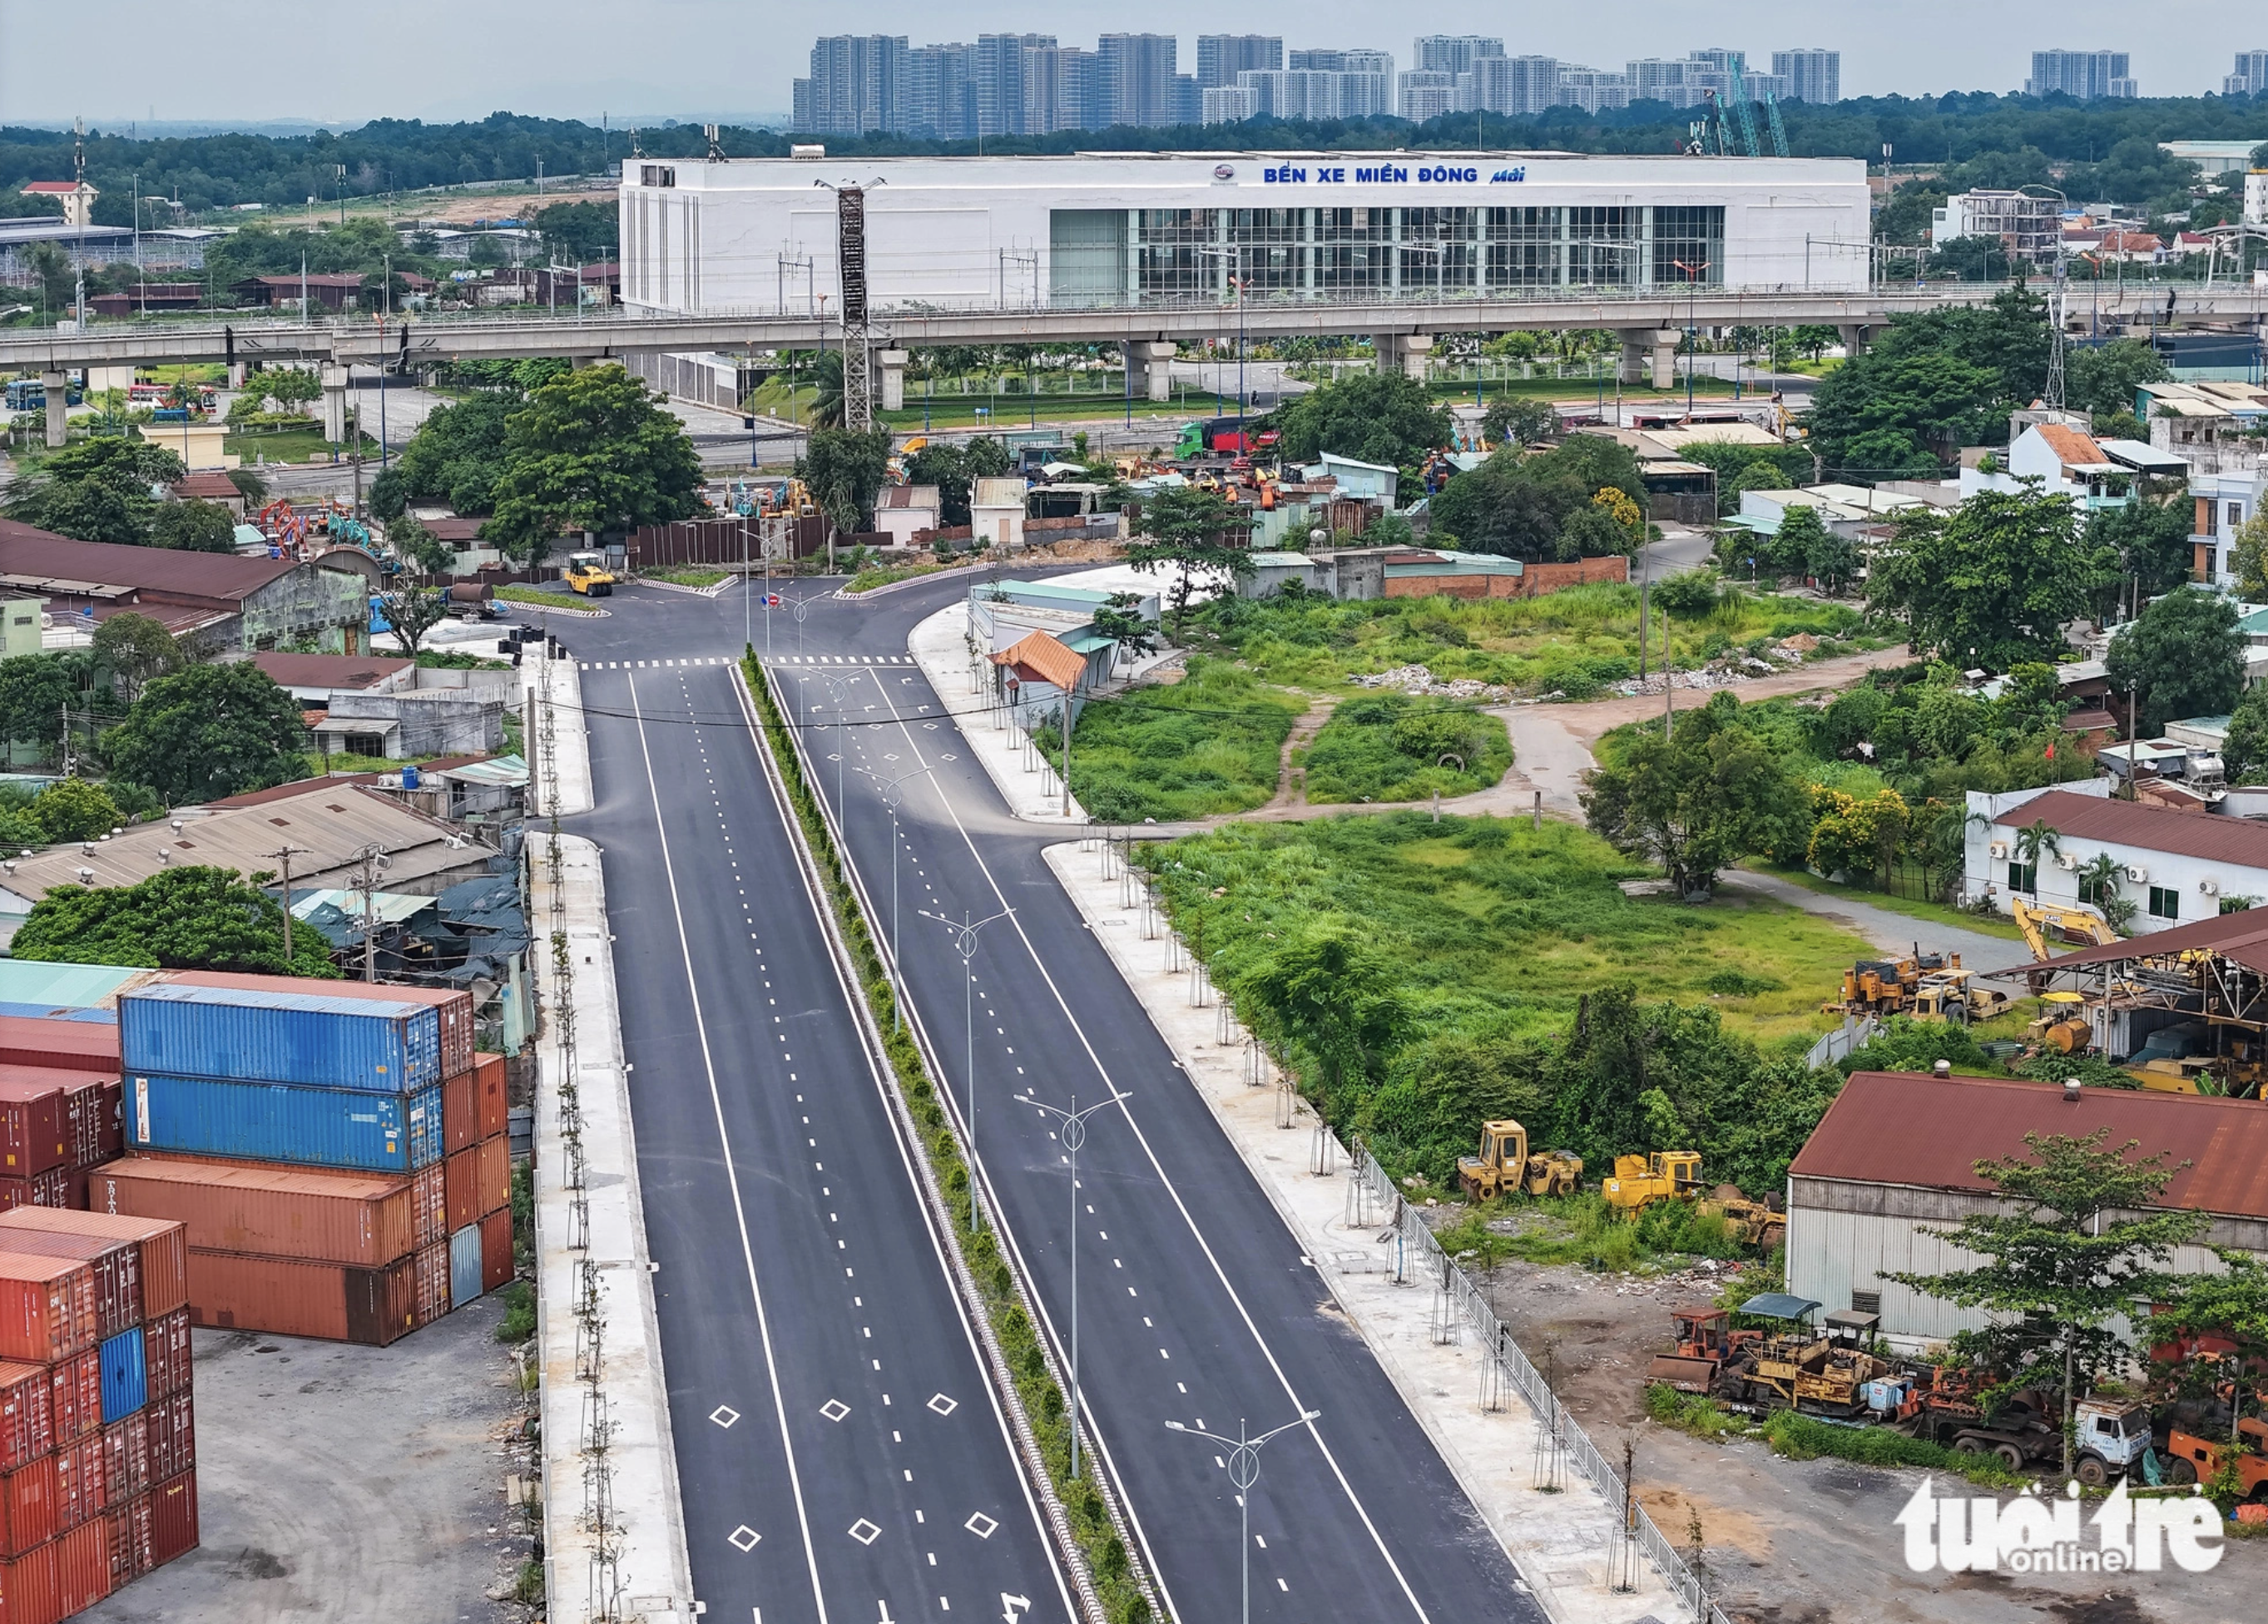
<point x="864" y="1532"/>
<point x="835" y="1410"/>
<point x="743" y="1538"/>
<point x="724" y="1414"/>
<point x="981" y="1525"/>
<point x="944" y="1406"/>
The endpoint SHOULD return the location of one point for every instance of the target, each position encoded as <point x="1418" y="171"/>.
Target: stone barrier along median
<point x="1421" y="1255"/>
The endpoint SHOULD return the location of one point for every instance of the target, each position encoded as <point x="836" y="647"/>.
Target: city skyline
<point x="690" y="59"/>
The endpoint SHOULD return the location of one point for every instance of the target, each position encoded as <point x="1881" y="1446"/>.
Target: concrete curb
<point x="541" y="609"/>
<point x="1558" y="1542"/>
<point x="714" y="590"/>
<point x="654" y="1575"/>
<point x="868" y="596"/>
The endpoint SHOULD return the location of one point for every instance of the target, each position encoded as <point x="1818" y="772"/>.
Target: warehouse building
<point x="1895" y="1159"/>
<point x="1140" y="230"/>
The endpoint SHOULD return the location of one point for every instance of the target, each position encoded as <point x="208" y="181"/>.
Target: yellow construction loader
<point x="1752" y="1223"/>
<point x="1641" y="1181"/>
<point x="1504" y="1165"/>
<point x="2071" y="927"/>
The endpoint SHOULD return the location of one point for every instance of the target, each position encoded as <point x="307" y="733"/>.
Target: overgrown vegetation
<point x="1391" y="747"/>
<point x="1422" y="978"/>
<point x="687" y="577"/>
<point x="188" y="918"/>
<point x="889" y="574"/>
<point x="1210" y="743"/>
<point x="1107" y="1554"/>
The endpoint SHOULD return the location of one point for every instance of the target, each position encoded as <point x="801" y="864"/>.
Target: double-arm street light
<point x="1244" y="1472"/>
<point x="838" y="689"/>
<point x="1074" y="1135"/>
<point x="964" y="942"/>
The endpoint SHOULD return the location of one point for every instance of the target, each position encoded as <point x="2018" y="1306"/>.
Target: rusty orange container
<point x="78" y="1482"/>
<point x="433" y="1281"/>
<point x="173" y="1436"/>
<point x="496" y="1250"/>
<point x="27" y="1423"/>
<point x="117" y="1266"/>
<point x="334" y="1301"/>
<point x="71" y="1046"/>
<point x="28" y="1506"/>
<point x="268" y="1210"/>
<point x="35" y="1132"/>
<point x="494" y="1107"/>
<point x="165" y="1251"/>
<point x="47" y="1307"/>
<point x="494" y="1176"/>
<point x="429" y="1204"/>
<point x="75" y="1396"/>
<point x="82" y="1567"/>
<point x="461" y="1180"/>
<point x="166" y="1355"/>
<point x="174" y="1518"/>
<point x="128" y="1536"/>
<point x="125" y="1458"/>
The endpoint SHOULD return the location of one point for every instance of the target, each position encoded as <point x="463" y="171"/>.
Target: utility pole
<point x="283" y="856"/>
<point x="373" y="861"/>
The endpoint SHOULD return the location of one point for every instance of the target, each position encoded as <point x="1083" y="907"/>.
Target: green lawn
<point x="284" y="445"/>
<point x="539" y="599"/>
<point x="1210" y="743"/>
<point x="687" y="577"/>
<point x="1391" y="747"/>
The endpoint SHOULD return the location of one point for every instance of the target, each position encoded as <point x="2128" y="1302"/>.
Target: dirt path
<point x="1292" y="795"/>
<point x="1591" y="718"/>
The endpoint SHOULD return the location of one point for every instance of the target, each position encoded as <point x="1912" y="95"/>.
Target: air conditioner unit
<point x="2000" y="849"/>
<point x="2067" y="862"/>
<point x="2140" y="877"/>
<point x="2210" y="887"/>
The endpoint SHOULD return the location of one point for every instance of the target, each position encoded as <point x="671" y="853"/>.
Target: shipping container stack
<point x="98" y="1443"/>
<point x="335" y="1150"/>
<point x="59" y="1108"/>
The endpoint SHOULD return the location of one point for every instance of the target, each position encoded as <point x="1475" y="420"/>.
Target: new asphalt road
<point x="1195" y="1303"/>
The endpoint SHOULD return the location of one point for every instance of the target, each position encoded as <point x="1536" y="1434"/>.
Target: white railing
<point x="1420" y="1257"/>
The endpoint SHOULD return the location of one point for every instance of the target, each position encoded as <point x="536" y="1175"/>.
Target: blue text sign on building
<point x="1368" y="174"/>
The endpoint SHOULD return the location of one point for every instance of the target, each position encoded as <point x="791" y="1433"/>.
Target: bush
<point x="1210" y="743"/>
<point x="1688" y="596"/>
<point x="519" y="1321"/>
<point x="1391" y="747"/>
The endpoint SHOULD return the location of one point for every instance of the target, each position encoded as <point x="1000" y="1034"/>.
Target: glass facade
<point x="1177" y="255"/>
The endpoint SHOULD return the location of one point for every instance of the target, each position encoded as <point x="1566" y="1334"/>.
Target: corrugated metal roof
<point x="2242" y="937"/>
<point x="1899" y="1128"/>
<point x="1041" y="653"/>
<point x="63" y="986"/>
<point x="223" y="577"/>
<point x="2239" y="841"/>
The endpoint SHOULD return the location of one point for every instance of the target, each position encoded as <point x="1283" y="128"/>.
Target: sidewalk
<point x="653" y="1574"/>
<point x="1556" y="1540"/>
<point x="1033" y="791"/>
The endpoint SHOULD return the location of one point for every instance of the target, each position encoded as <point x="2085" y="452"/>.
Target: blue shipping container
<point x="284" y="1122"/>
<point x="383" y="1045"/>
<point x="464" y="1266"/>
<point x="125" y="1378"/>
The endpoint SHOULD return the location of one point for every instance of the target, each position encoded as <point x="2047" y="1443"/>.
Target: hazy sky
<point x="233" y="59"/>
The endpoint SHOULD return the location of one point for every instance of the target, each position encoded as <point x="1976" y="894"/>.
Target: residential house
<point x="996" y="512"/>
<point x="1373" y="480"/>
<point x="2208" y="422"/>
<point x="2226" y="499"/>
<point x="2173" y="867"/>
<point x="210" y="485"/>
<point x="23" y="624"/>
<point x="902" y="512"/>
<point x="1037" y="677"/>
<point x="2065" y="460"/>
<point x="221" y="600"/>
<point x="1893" y="1164"/>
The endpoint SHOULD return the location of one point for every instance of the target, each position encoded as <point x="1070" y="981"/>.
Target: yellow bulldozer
<point x="1641" y="1181"/>
<point x="1504" y="1165"/>
<point x="1927" y="987"/>
<point x="1752" y="1223"/>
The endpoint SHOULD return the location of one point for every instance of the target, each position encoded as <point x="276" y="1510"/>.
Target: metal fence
<point x="1419" y="1257"/>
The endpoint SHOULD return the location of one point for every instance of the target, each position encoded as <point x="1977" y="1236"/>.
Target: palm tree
<point x="827" y="390"/>
<point x="2037" y="838"/>
<point x="2098" y="879"/>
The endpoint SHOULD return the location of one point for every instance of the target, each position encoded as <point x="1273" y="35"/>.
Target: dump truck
<point x="1641" y="1181"/>
<point x="1504" y="1165"/>
<point x="1944" y="1405"/>
<point x="587" y="574"/>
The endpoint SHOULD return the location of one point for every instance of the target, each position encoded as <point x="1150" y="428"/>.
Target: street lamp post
<point x="964" y="942"/>
<point x="1244" y="1472"/>
<point x="1692" y="337"/>
<point x="890" y="793"/>
<point x="838" y="689"/>
<point x="1074" y="1136"/>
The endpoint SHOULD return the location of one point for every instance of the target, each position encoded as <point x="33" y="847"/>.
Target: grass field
<point x="1210" y="743"/>
<point x="1392" y="747"/>
<point x="687" y="577"/>
<point x="538" y="600"/>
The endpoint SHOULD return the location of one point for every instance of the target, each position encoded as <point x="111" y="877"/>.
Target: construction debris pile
<point x="1418" y="680"/>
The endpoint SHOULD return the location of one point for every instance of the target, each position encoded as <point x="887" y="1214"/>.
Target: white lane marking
<point x="732" y="1173"/>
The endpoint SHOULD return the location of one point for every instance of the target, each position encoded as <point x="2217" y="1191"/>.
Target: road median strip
<point x="1086" y="1513"/>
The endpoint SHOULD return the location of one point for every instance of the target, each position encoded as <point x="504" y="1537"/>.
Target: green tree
<point x="1832" y="560"/>
<point x="2062" y="1265"/>
<point x="593" y="452"/>
<point x="292" y="389"/>
<point x="845" y="473"/>
<point x="2248" y="551"/>
<point x="1199" y="535"/>
<point x="1337" y="998"/>
<point x="188" y="918"/>
<point x="953" y="468"/>
<point x="419" y="546"/>
<point x="208" y="731"/>
<point x="192" y="527"/>
<point x="413" y="611"/>
<point x="454" y="459"/>
<point x="2037" y="840"/>
<point x="826" y="410"/>
<point x="1120" y="620"/>
<point x="1526" y="504"/>
<point x="2232" y="1305"/>
<point x="2104" y="378"/>
<point x="1382" y="417"/>
<point x="131" y="650"/>
<point x="1872" y="417"/>
<point x="1705" y="797"/>
<point x="578" y="233"/>
<point x="1815" y="340"/>
<point x="34" y="689"/>
<point x="95" y="490"/>
<point x="1519" y="420"/>
<point x="1993" y="582"/>
<point x="1801" y="532"/>
<point x="71" y="809"/>
<point x="2244" y="754"/>
<point x="2184" y="656"/>
<point x="2151" y="536"/>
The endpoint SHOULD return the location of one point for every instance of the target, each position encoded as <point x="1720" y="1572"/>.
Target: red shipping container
<point x="75" y="1396"/>
<point x="34" y="1134"/>
<point x="460" y="1113"/>
<point x="27" y="1585"/>
<point x="27" y="1423"/>
<point x="117" y="1266"/>
<point x="82" y="1567"/>
<point x="47" y="1307"/>
<point x="495" y="1108"/>
<point x="266" y="1209"/>
<point x="461" y="1179"/>
<point x="433" y="1278"/>
<point x="129" y="1533"/>
<point x="173" y="1519"/>
<point x="69" y="1046"/>
<point x="113" y="1141"/>
<point x="496" y="1250"/>
<point x="455" y="1009"/>
<point x="166" y="1355"/>
<point x="125" y="1458"/>
<point x="78" y="1482"/>
<point x="291" y="1298"/>
<point x="429" y="1205"/>
<point x="28" y="1506"/>
<point x="494" y="1181"/>
<point x="173" y="1436"/>
<point x="51" y="1189"/>
<point x="165" y="1250"/>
